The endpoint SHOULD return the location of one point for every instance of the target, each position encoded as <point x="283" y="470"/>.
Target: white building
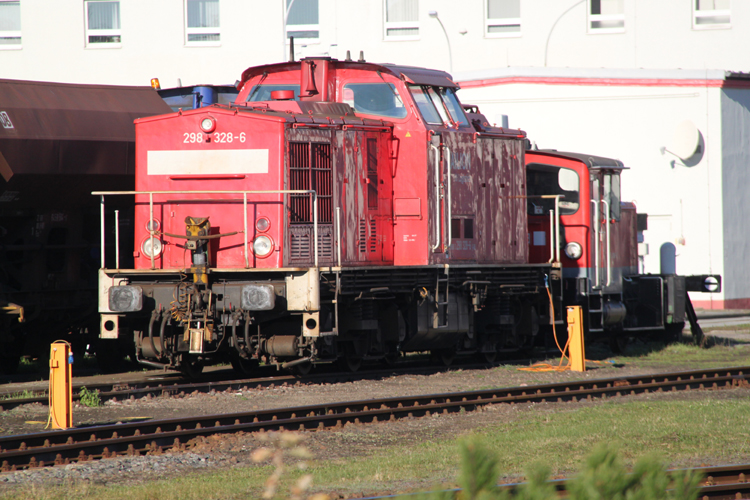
<point x="617" y="78"/>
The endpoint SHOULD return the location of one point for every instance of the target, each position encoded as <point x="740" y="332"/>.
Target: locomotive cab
<point x="576" y="217"/>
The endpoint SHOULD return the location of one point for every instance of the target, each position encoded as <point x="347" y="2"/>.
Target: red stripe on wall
<point x="605" y="82"/>
<point x="722" y="304"/>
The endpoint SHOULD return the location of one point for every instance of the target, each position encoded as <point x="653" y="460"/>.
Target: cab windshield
<point x="438" y="105"/>
<point x="545" y="180"/>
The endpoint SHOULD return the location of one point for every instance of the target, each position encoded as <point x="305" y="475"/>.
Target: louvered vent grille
<point x="302" y="251"/>
<point x="310" y="168"/>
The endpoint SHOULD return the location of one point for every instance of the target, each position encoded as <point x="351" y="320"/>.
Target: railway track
<point x="162" y="388"/>
<point x="155" y="436"/>
<point x="727" y="482"/>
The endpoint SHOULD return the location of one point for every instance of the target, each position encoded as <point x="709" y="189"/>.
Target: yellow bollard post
<point x="61" y="385"/>
<point x="575" y="335"/>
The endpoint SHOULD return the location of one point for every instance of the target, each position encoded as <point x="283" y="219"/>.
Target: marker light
<point x="208" y="124"/>
<point x="573" y="250"/>
<point x="150" y="245"/>
<point x="262" y="224"/>
<point x="152" y="225"/>
<point x="262" y="246"/>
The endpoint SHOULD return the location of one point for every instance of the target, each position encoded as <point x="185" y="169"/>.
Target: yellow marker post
<point x="575" y="335"/>
<point x="61" y="385"/>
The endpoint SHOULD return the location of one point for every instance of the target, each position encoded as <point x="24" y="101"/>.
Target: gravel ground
<point x="352" y="441"/>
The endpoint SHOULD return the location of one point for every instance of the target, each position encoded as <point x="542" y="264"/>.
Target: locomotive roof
<point x="411" y="74"/>
<point x="592" y="161"/>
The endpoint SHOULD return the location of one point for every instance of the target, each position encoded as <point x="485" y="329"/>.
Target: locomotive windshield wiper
<point x="390" y="87"/>
<point x="257" y="86"/>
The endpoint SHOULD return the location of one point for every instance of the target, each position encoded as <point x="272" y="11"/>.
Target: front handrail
<point x="152" y="232"/>
<point x="450" y="212"/>
<point x="596" y="241"/>
<point x="609" y="247"/>
<point x="437" y="198"/>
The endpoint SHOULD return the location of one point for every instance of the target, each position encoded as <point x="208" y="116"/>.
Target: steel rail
<point x="140" y="389"/>
<point x="724" y="482"/>
<point x="65" y="446"/>
<point x="132" y="390"/>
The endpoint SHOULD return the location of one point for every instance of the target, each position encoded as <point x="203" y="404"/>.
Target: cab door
<point x="605" y="214"/>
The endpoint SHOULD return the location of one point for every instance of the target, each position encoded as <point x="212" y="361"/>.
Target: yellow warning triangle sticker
<point x="408" y="134"/>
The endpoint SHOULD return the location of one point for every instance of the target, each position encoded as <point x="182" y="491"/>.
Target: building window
<point x="606" y="16"/>
<point x="401" y="19"/>
<point x="102" y="23"/>
<point x="302" y="19"/>
<point x="709" y="14"/>
<point x="202" y="22"/>
<point x="10" y="25"/>
<point x="502" y="18"/>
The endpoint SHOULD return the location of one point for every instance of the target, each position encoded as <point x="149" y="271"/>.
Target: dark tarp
<point x="59" y="142"/>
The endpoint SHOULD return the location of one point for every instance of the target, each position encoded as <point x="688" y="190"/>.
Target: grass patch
<point x="697" y="357"/>
<point x="686" y="433"/>
<point x="25" y="394"/>
<point x="731" y="328"/>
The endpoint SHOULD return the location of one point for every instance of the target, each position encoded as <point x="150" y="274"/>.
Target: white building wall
<point x="657" y="34"/>
<point x="633" y="123"/>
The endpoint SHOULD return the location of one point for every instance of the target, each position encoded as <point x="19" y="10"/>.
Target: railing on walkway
<point x="152" y="231"/>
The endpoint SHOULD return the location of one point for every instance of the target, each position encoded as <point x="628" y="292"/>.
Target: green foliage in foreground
<point x="604" y="477"/>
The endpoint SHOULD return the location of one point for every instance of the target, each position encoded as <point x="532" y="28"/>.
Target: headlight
<point x="208" y="124"/>
<point x="262" y="246"/>
<point x="258" y="297"/>
<point x="573" y="250"/>
<point x="125" y="298"/>
<point x="152" y="246"/>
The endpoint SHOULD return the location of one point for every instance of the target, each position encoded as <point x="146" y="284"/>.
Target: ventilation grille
<point x="310" y="168"/>
<point x="302" y="250"/>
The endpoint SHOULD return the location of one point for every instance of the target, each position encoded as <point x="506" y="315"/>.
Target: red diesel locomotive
<point x="337" y="211"/>
<point x="576" y="218"/>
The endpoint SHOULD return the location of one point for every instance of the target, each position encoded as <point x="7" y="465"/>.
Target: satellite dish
<point x="685" y="140"/>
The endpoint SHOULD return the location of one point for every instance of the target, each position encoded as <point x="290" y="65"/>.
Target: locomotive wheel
<point x="671" y="333"/>
<point x="618" y="343"/>
<point x="10" y="356"/>
<point x="302" y="369"/>
<point x="350" y="363"/>
<point x="390" y="359"/>
<point x="487" y="357"/>
<point x="9" y="363"/>
<point x="243" y="366"/>
<point x="190" y="366"/>
<point x="443" y="357"/>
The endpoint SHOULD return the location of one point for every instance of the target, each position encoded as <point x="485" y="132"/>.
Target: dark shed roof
<point x="59" y="111"/>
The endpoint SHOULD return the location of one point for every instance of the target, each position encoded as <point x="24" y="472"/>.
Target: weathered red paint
<point x="409" y="218"/>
